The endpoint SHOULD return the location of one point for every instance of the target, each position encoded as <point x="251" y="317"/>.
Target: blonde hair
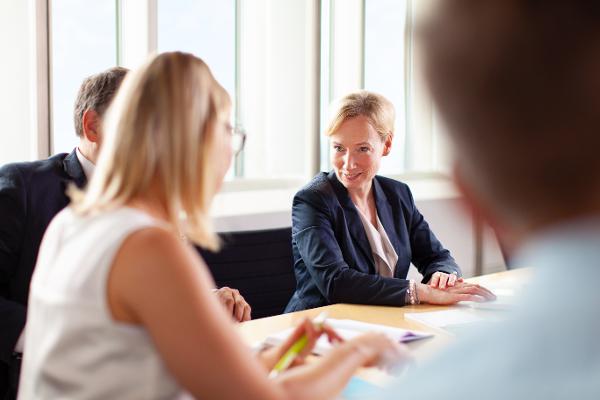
<point x="161" y="127"/>
<point x="379" y="111"/>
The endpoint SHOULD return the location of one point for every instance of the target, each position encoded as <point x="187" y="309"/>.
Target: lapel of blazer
<point x="355" y="226"/>
<point x="74" y="170"/>
<point x="384" y="210"/>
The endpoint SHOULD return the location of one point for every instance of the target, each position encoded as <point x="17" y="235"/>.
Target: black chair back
<point x="259" y="264"/>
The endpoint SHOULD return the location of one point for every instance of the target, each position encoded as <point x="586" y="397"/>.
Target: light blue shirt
<point x="548" y="349"/>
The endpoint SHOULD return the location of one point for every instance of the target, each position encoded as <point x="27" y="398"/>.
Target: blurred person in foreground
<point x="517" y="84"/>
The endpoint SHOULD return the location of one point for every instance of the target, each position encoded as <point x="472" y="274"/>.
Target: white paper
<point x="500" y="303"/>
<point x="445" y="318"/>
<point x="349" y="329"/>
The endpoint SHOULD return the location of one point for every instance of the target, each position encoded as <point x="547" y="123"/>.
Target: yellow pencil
<point x="295" y="349"/>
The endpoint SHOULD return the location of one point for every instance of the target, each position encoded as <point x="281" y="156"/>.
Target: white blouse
<point x="384" y="255"/>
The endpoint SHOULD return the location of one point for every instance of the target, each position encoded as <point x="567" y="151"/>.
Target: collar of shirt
<point x="87" y="165"/>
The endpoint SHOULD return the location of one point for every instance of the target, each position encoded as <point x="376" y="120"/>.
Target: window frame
<point x="137" y="37"/>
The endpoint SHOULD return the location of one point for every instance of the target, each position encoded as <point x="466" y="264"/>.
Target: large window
<point x="83" y="42"/>
<point x="205" y="28"/>
<point x="261" y="52"/>
<point x="187" y="25"/>
<point x="283" y="62"/>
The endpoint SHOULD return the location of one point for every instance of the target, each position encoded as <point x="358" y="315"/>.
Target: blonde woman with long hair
<point x="120" y="305"/>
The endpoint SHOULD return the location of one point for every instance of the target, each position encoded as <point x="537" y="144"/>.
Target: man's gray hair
<point x="96" y="93"/>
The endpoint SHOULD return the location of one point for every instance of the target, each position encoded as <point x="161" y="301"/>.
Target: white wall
<point x="453" y="226"/>
<point x="16" y="136"/>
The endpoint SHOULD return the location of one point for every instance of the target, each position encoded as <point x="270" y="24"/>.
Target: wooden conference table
<point x="257" y="330"/>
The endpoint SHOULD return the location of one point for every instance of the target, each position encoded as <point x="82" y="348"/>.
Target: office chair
<point x="257" y="263"/>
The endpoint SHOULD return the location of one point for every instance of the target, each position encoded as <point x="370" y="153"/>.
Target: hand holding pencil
<point x="378" y="349"/>
<point x="298" y="345"/>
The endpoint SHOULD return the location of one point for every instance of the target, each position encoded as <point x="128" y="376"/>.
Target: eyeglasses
<point x="238" y="138"/>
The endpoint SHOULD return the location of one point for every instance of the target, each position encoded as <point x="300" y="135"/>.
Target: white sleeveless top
<point x="73" y="347"/>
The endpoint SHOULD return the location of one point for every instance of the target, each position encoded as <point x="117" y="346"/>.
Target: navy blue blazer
<point x="333" y="262"/>
<point x="31" y="194"/>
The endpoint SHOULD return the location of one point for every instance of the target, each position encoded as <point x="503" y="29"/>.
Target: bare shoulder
<point x="152" y="261"/>
<point x="153" y="247"/>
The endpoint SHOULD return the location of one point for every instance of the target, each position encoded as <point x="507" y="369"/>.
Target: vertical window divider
<point x="119" y="35"/>
<point x="331" y="66"/>
<point x="314" y="149"/>
<point x="363" y="8"/>
<point x="152" y="26"/>
<point x="325" y="75"/>
<point x="137" y="31"/>
<point x="42" y="104"/>
<point x="238" y="167"/>
<point x="408" y="65"/>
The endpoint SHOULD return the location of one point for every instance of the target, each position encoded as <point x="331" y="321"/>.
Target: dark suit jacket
<point x="31" y="194"/>
<point x="333" y="261"/>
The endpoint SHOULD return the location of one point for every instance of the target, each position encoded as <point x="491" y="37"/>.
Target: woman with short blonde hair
<point x="120" y="305"/>
<point x="378" y="110"/>
<point x="355" y="233"/>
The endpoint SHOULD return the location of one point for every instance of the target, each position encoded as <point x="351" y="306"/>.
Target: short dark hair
<point x="95" y="93"/>
<point x="517" y="82"/>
